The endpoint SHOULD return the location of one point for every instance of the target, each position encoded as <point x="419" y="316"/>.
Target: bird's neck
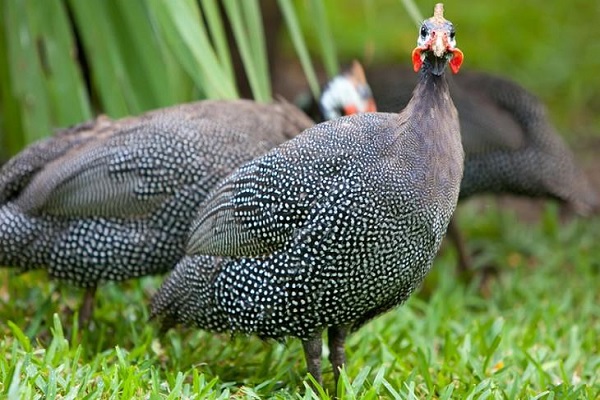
<point x="435" y="133"/>
<point x="432" y="93"/>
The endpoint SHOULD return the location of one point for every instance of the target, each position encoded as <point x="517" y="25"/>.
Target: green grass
<point x="534" y="336"/>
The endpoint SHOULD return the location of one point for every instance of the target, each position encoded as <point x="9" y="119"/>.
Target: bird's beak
<point x="438" y="43"/>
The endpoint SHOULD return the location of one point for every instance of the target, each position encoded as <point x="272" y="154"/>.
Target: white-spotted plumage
<point x="326" y="231"/>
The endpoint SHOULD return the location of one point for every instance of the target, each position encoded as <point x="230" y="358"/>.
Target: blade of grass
<point x="246" y="40"/>
<point x="291" y="20"/>
<point x="413" y="11"/>
<point x="327" y="46"/>
<point x="218" y="36"/>
<point x="23" y="340"/>
<point x="182" y="27"/>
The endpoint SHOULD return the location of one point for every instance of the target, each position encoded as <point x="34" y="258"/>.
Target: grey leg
<point x="87" y="307"/>
<point x="465" y="263"/>
<point x="337" y="352"/>
<point x="313" y="349"/>
<point x="464" y="258"/>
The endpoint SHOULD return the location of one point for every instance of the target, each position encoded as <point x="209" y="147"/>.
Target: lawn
<point x="533" y="335"/>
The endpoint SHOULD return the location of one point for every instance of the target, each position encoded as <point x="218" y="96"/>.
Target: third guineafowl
<point x="112" y="200"/>
<point x="332" y="228"/>
<point x="510" y="144"/>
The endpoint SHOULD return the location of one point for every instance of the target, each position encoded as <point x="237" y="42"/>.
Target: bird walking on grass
<point x="332" y="228"/>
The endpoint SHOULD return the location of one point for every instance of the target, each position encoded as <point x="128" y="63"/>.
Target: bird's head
<point x="437" y="44"/>
<point x="347" y="94"/>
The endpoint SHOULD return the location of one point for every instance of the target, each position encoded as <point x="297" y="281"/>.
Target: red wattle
<point x="416" y="59"/>
<point x="456" y="61"/>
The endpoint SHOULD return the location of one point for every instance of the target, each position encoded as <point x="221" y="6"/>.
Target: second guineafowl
<point x="332" y="228"/>
<point x="113" y="200"/>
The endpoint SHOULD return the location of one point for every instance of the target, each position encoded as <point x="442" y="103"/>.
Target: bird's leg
<point x="336" y="337"/>
<point x="313" y="349"/>
<point x="465" y="263"/>
<point x="87" y="307"/>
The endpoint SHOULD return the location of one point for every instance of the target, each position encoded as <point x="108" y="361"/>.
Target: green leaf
<point x="181" y="25"/>
<point x="413" y="11"/>
<point x="25" y="71"/>
<point x="110" y="80"/>
<point x="291" y="20"/>
<point x="250" y="53"/>
<point x="217" y="33"/>
<point x="327" y="46"/>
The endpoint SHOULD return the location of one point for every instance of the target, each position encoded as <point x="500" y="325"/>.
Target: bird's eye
<point x="452" y="34"/>
<point x="423" y="31"/>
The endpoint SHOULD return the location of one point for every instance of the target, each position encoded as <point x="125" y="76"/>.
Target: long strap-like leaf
<point x="298" y="41"/>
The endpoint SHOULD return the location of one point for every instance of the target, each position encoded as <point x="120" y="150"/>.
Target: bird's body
<point x="356" y="192"/>
<point x="331" y="228"/>
<point x="112" y="200"/>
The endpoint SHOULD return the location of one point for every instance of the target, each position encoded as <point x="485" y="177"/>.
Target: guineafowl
<point x="332" y="228"/>
<point x="112" y="200"/>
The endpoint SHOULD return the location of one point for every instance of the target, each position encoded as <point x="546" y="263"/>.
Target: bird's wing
<point x="16" y="174"/>
<point x="127" y="174"/>
<point x="256" y="209"/>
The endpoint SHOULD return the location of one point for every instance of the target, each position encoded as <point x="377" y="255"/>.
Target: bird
<point x="510" y="143"/>
<point x="110" y="200"/>
<point x="332" y="228"/>
<point x="346" y="94"/>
